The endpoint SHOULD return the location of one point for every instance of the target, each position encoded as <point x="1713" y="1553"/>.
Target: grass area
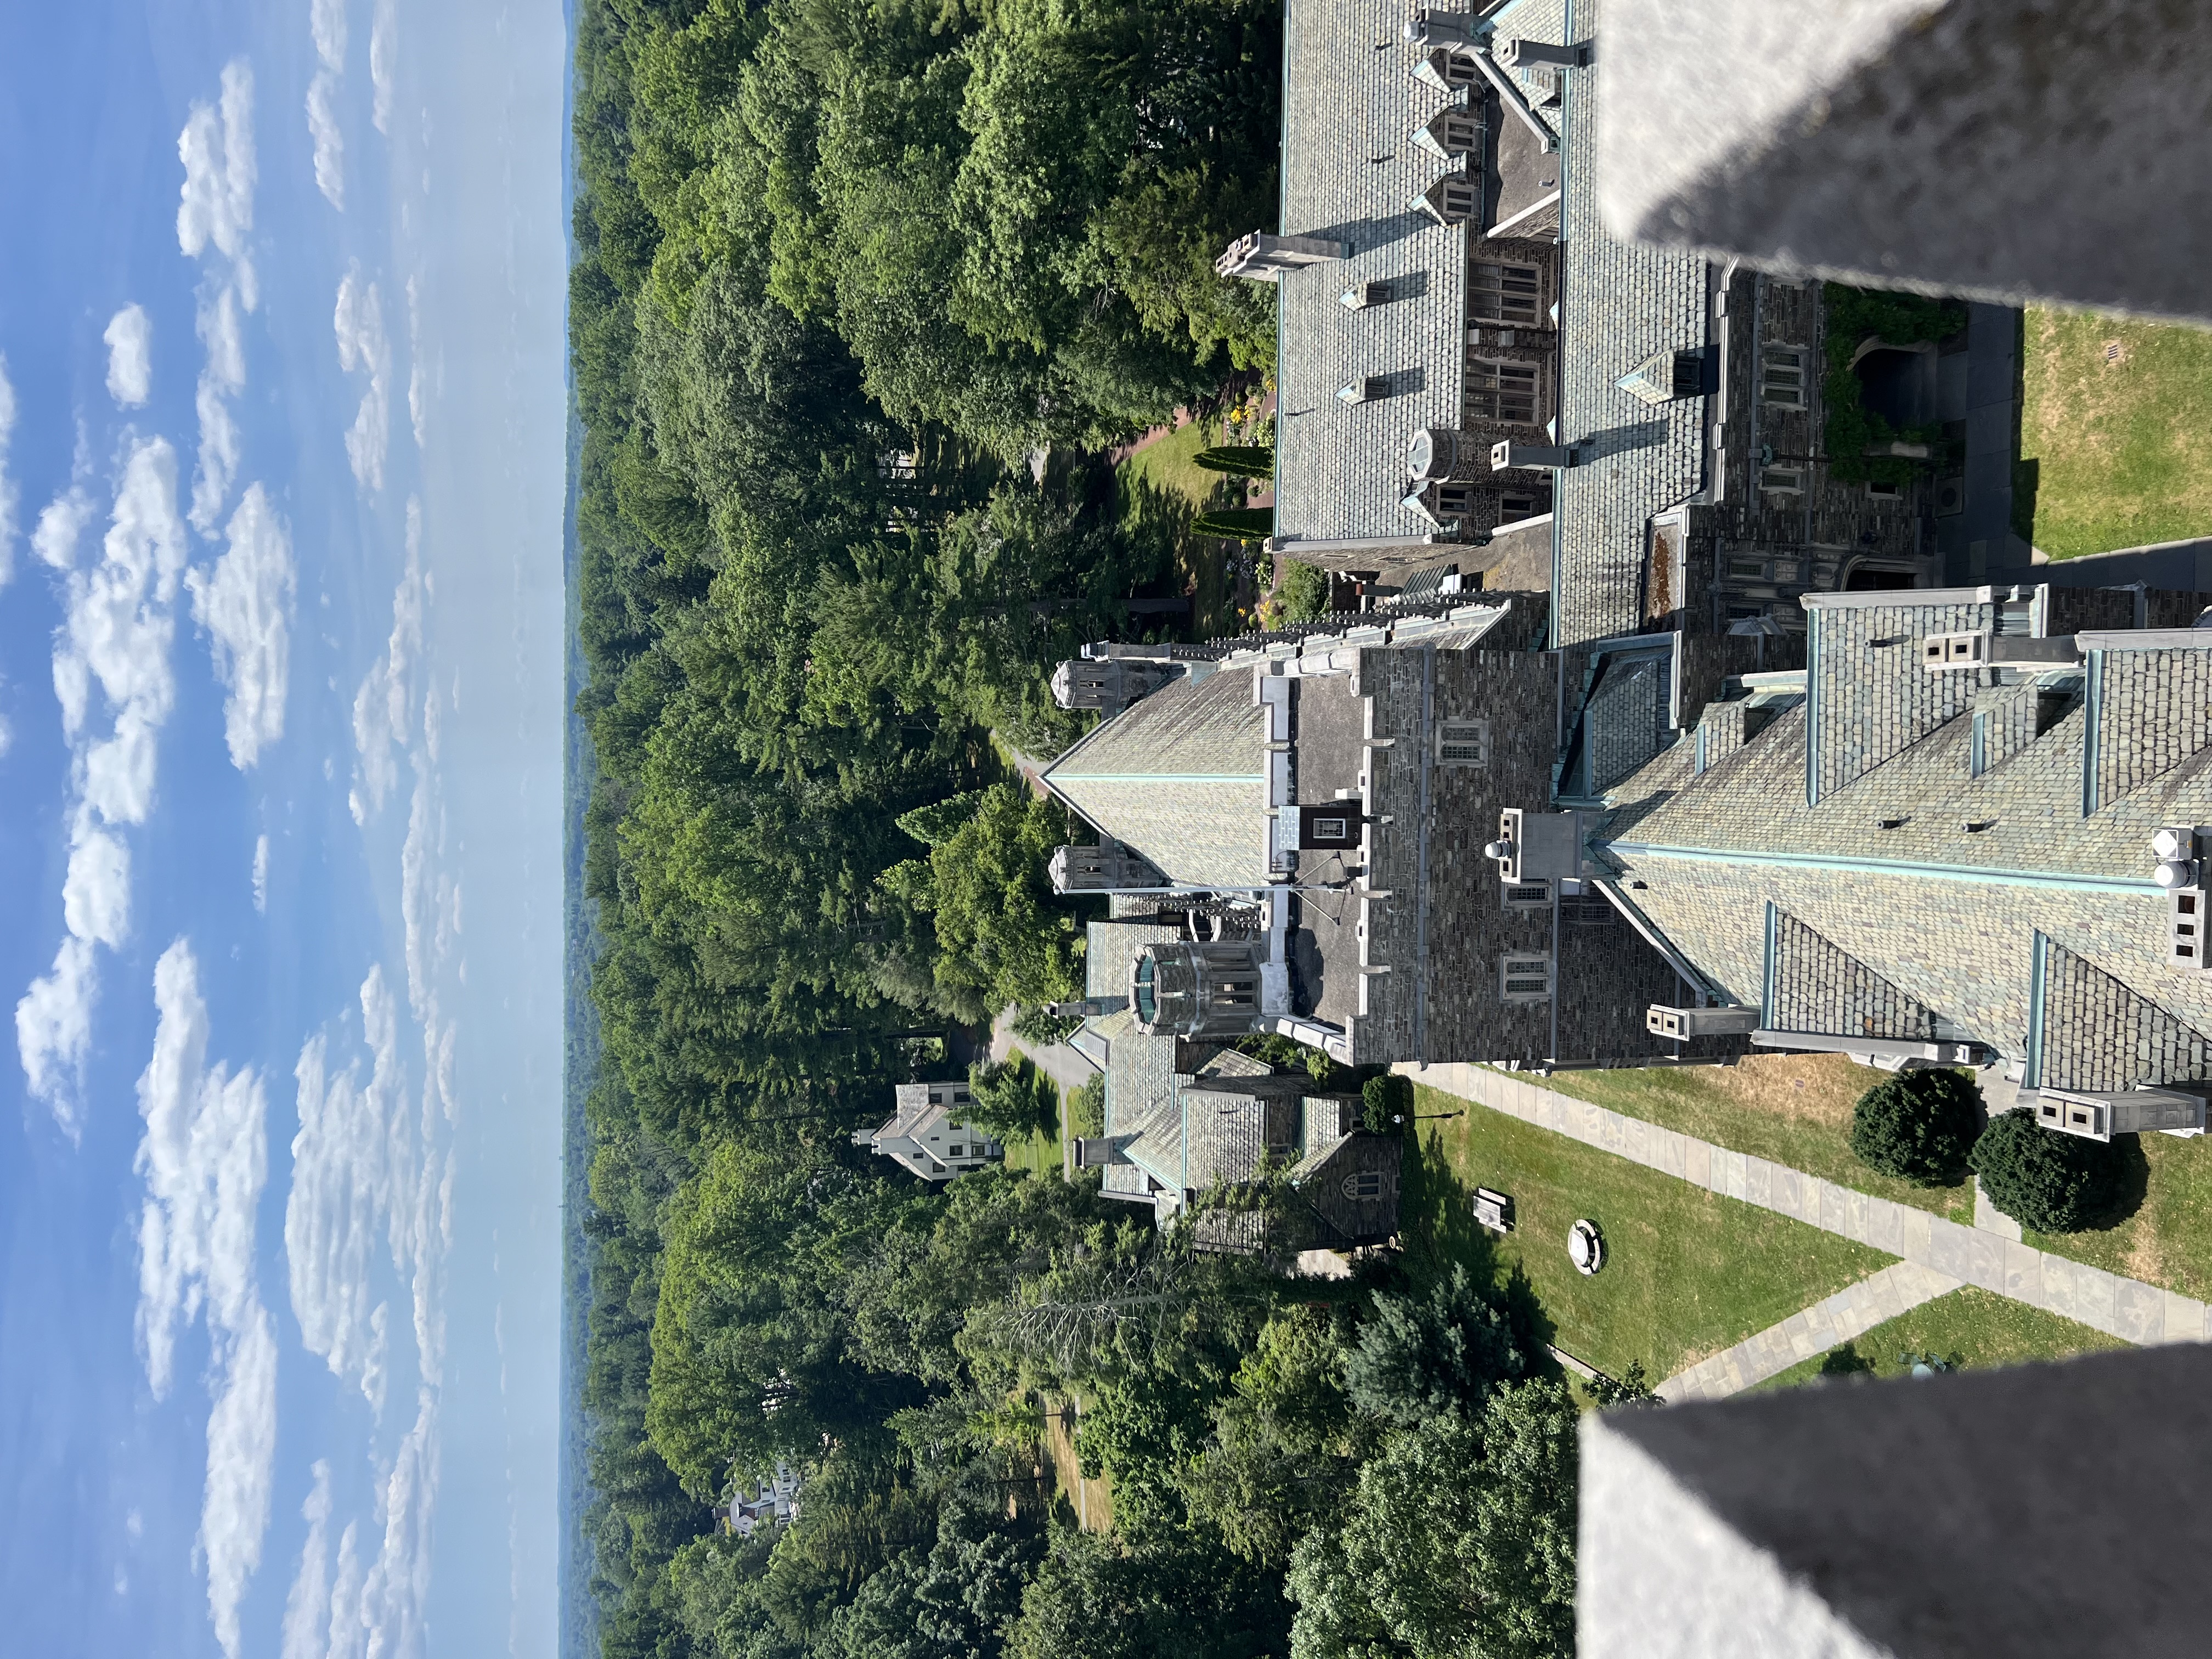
<point x="1793" y="1109"/>
<point x="1689" y="1273"/>
<point x="2167" y="1238"/>
<point x="1161" y="484"/>
<point x="2117" y="418"/>
<point x="1039" y="1152"/>
<point x="1979" y="1328"/>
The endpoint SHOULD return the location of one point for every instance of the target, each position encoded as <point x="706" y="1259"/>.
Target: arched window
<point x="1364" y="1185"/>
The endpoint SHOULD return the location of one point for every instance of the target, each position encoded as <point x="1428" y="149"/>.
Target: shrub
<point x="1918" y="1127"/>
<point x="1011" y="1102"/>
<point x="1241" y="460"/>
<point x="1240" y="524"/>
<point x="1086" y="1108"/>
<point x="1304" y="592"/>
<point x="2053" y="1182"/>
<point x="1382" y="1098"/>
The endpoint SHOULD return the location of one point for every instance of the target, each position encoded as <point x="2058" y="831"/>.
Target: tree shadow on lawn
<point x="2127" y="1186"/>
<point x="1437" y="1228"/>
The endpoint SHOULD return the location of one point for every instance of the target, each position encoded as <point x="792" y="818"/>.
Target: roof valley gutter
<point x="2058" y="881"/>
<point x="1559" y="479"/>
<point x="1421" y="857"/>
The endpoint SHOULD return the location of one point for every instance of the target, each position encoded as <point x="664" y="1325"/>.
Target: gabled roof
<point x="2151" y="693"/>
<point x="1620" y="304"/>
<point x="1340" y="470"/>
<point x="1816" y="986"/>
<point x="1181" y="776"/>
<point x="1868" y="698"/>
<point x="2094" y="1032"/>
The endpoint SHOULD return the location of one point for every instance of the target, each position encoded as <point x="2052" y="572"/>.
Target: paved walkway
<point x="2125" y="1308"/>
<point x="1887" y="1295"/>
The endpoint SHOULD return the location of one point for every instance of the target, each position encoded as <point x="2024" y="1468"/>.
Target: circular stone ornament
<point x="1585" y="1248"/>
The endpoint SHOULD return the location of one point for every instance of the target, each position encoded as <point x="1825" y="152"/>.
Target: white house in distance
<point x="923" y="1135"/>
<point x="776" y="1504"/>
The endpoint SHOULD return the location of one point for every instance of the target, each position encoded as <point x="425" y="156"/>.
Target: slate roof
<point x="1619" y="305"/>
<point x="1179" y="775"/>
<point x="2153" y="707"/>
<point x="1815" y="986"/>
<point x="1339" y="468"/>
<point x="2103" y="1036"/>
<point x="1870" y="698"/>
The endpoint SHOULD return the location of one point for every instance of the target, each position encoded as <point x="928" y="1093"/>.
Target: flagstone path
<point x="1851" y="1312"/>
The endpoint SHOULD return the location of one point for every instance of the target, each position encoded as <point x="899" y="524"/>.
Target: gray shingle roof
<point x="2154" y="711"/>
<point x="1340" y="469"/>
<point x="1870" y="697"/>
<point x="1818" y="987"/>
<point x="1179" y="775"/>
<point x="2101" y="1034"/>
<point x="1619" y="305"/>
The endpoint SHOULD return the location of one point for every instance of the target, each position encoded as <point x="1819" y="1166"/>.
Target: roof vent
<point x="1360" y="296"/>
<point x="1526" y="54"/>
<point x="1944" y="654"/>
<point x="1509" y="453"/>
<point x="1264" y="258"/>
<point x="1372" y="390"/>
<point x="1665" y="376"/>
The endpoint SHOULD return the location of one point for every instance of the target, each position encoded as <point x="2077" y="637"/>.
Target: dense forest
<point x="864" y="295"/>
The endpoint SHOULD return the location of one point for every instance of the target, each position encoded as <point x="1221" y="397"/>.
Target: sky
<point x="281" y="421"/>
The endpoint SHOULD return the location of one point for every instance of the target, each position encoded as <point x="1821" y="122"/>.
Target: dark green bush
<point x="1304" y="592"/>
<point x="1918" y="1127"/>
<point x="2053" y="1182"/>
<point x="1012" y="1102"/>
<point x="1383" y="1097"/>
<point x="1241" y="460"/>
<point x="1242" y="523"/>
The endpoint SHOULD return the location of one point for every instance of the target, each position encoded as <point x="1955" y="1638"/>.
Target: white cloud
<point x="130" y="339"/>
<point x="7" y="736"/>
<point x="415" y="895"/>
<point x="115" y="633"/>
<point x="8" y="496"/>
<point x="96" y="892"/>
<point x="363" y="349"/>
<point x="355" y="1155"/>
<point x="381" y="723"/>
<point x="216" y="149"/>
<point x="222" y="376"/>
<point x="326" y="20"/>
<point x="400" y="1584"/>
<point x="349" y="1629"/>
<point x="308" y="1607"/>
<point x="261" y="875"/>
<point x="323" y="130"/>
<point x="245" y="605"/>
<point x="53" y="1028"/>
<point x="383" y="49"/>
<point x="61" y="527"/>
<point x="419" y="395"/>
<point x="204" y="1159"/>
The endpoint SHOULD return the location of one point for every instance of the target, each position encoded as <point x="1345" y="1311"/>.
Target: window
<point x="1525" y="979"/>
<point x="1513" y="506"/>
<point x="1590" y="910"/>
<point x="1364" y="1186"/>
<point x="1886" y="492"/>
<point x="1501" y="391"/>
<point x="1504" y="294"/>
<point x="1782" y="480"/>
<point x="1782" y="376"/>
<point x="1463" y="743"/>
<point x="1747" y="570"/>
<point x="1331" y="829"/>
<point x="956" y="1150"/>
<point x="1528" y="895"/>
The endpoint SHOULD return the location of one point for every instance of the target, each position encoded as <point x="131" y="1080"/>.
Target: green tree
<point x="1384" y="1097"/>
<point x="1458" y="1540"/>
<point x="1417" y="1357"/>
<point x="1098" y="1597"/>
<point x="1918" y="1125"/>
<point x="2053" y="1182"/>
<point x="1304" y="592"/>
<point x="1014" y="1101"/>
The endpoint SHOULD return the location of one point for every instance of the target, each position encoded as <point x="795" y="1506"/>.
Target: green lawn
<point x="1162" y="490"/>
<point x="2167" y="1240"/>
<point x="1981" y="1328"/>
<point x="1689" y="1273"/>
<point x="1039" y="1152"/>
<point x="1793" y="1109"/>
<point x="2117" y="418"/>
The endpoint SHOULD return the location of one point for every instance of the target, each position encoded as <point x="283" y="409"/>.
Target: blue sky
<point x="280" y="477"/>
